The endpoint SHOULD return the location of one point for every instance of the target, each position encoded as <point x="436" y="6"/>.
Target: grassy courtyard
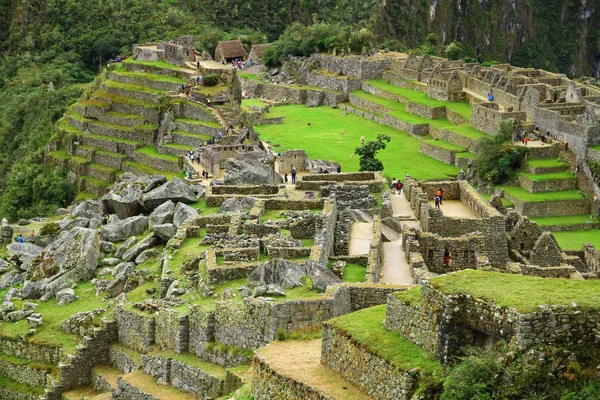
<point x="573" y="240"/>
<point x="324" y="140"/>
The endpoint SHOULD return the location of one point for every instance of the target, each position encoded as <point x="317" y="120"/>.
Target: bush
<point x="210" y="80"/>
<point x="497" y="159"/>
<point x="281" y="334"/>
<point x="49" y="228"/>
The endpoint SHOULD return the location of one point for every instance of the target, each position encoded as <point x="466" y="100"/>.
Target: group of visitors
<point x="293" y="173"/>
<point x="237" y="63"/>
<point x="191" y="156"/>
<point x="397" y="186"/>
<point x="439" y="195"/>
<point x="205" y="174"/>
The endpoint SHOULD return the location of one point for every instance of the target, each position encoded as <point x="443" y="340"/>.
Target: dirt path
<point x="301" y="361"/>
<point x="401" y="206"/>
<point x="361" y="236"/>
<point x="395" y="268"/>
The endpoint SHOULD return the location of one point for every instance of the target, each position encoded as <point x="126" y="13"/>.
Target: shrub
<point x="49" y="228"/>
<point x="368" y="152"/>
<point x="281" y="334"/>
<point x="210" y="80"/>
<point x="497" y="159"/>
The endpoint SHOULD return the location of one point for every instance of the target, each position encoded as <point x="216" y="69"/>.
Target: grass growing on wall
<point x="323" y="140"/>
<point x="525" y="293"/>
<point x="524" y="195"/>
<point x="366" y="327"/>
<point x="564" y="220"/>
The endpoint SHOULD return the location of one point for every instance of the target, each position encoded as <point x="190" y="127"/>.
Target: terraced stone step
<point x="136" y="92"/>
<point x="27" y="372"/>
<point x="158" y="82"/>
<point x="198" y="127"/>
<point x="546" y="166"/>
<point x="102" y="172"/>
<point x="150" y="157"/>
<point x="110" y="144"/>
<point x="559" y="203"/>
<point x="128" y="105"/>
<point x="122" y="119"/>
<point x="142" y="169"/>
<point x="567" y="223"/>
<point x="551" y="182"/>
<point x="95" y="186"/>
<point x="175" y="149"/>
<point x="104" y="378"/>
<point x="87" y="393"/>
<point x="143" y="133"/>
<point x="445" y="152"/>
<point x="189" y="139"/>
<point x="10" y="389"/>
<point x="138" y="385"/>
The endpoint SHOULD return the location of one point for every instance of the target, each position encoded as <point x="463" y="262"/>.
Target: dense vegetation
<point x="50" y="48"/>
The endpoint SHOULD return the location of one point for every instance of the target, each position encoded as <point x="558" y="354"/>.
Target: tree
<point x="497" y="159"/>
<point x="368" y="151"/>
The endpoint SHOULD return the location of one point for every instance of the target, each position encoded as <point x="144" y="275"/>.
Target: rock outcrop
<point x="253" y="168"/>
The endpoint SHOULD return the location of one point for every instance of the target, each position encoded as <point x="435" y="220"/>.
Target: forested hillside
<point x="49" y="48"/>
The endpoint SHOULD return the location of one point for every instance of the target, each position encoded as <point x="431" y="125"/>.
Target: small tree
<point x="368" y="151"/>
<point x="497" y="159"/>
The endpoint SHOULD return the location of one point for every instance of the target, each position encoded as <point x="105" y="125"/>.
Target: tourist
<point x="362" y="140"/>
<point x="285" y="178"/>
<point x="320" y="170"/>
<point x="399" y="187"/>
<point x="490" y="97"/>
<point x="526" y="140"/>
<point x="20" y="238"/>
<point x="182" y="88"/>
<point x="437" y="200"/>
<point x="439" y="194"/>
<point x="220" y="135"/>
<point x="566" y="146"/>
<point x="548" y="133"/>
<point x="294" y="172"/>
<point x="192" y="155"/>
<point x="339" y="168"/>
<point x="309" y="124"/>
<point x="395" y="185"/>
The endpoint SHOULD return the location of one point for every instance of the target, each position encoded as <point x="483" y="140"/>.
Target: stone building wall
<point x="172" y="331"/>
<point x="31" y="351"/>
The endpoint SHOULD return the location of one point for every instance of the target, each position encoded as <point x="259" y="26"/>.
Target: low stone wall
<point x="7" y="394"/>
<point x="293" y="205"/>
<point x="119" y="359"/>
<point x="356" y="363"/>
<point x="364" y="295"/>
<point x="374" y="186"/>
<point x="159" y="85"/>
<point x="126" y="391"/>
<point x="294" y="95"/>
<point x="23" y="374"/>
<point x="135" y="330"/>
<point x="342" y="177"/>
<point x="544" y="152"/>
<point x="384" y="118"/>
<point x="411" y="107"/>
<point x="245" y="190"/>
<point x="288" y="252"/>
<point x="223" y="273"/>
<point x="439" y="153"/>
<point x="336" y="83"/>
<point x="543" y="209"/>
<point x="31" y="351"/>
<point x="456" y="118"/>
<point x="267" y="384"/>
<point x="150" y="114"/>
<point x="145" y="96"/>
<point x="184" y="377"/>
<point x="454" y="138"/>
<point x="226" y="357"/>
<point x="547" y="185"/>
<point x="375" y="253"/>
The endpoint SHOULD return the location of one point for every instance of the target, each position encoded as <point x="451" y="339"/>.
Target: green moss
<point x="60" y="154"/>
<point x="525" y="293"/>
<point x="149" y="170"/>
<point x="547" y="163"/>
<point x="367" y="329"/>
<point x="13" y="386"/>
<point x="410" y="296"/>
<point x="102" y="167"/>
<point x="561" y="175"/>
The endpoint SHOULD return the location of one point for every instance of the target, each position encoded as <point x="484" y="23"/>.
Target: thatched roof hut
<point x="230" y="50"/>
<point x="257" y="52"/>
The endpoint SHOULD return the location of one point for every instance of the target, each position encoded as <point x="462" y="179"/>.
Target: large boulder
<point x="71" y="258"/>
<point x="321" y="276"/>
<point x="237" y="205"/>
<point x="183" y="212"/>
<point x="175" y="190"/>
<point x="124" y="197"/>
<point x="253" y="168"/>
<point x="287" y="274"/>
<point x="279" y="272"/>
<point x="140" y="246"/>
<point x="164" y="231"/>
<point x="11" y="278"/>
<point x="162" y="214"/>
<point x="65" y="296"/>
<point x="122" y="229"/>
<point x="88" y="209"/>
<point x="23" y="253"/>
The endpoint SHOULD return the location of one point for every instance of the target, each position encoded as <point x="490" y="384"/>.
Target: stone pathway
<point x="401" y="206"/>
<point x="301" y="361"/>
<point x="361" y="236"/>
<point x="395" y="268"/>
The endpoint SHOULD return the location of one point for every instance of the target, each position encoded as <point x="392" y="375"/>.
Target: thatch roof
<point x="231" y="49"/>
<point x="259" y="49"/>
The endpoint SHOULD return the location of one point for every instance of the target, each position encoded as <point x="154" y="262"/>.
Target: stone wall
<point x="135" y="330"/>
<point x="437" y="152"/>
<point x="355" y="66"/>
<point x="547" y="185"/>
<point x="364" y="295"/>
<point x="411" y="107"/>
<point x="375" y="253"/>
<point x="23" y="374"/>
<point x="341" y="177"/>
<point x="31" y="351"/>
<point x="294" y="95"/>
<point x="172" y="331"/>
<point x="379" y="378"/>
<point x="245" y="190"/>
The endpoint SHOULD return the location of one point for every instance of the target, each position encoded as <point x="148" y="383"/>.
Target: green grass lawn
<point x="367" y="329"/>
<point x="151" y="152"/>
<point x="323" y="140"/>
<point x="133" y="88"/>
<point x="573" y="240"/>
<point x="564" y="220"/>
<point x="153" y="77"/>
<point x="525" y="293"/>
<point x="253" y="103"/>
<point x="547" y="177"/>
<point x="157" y="64"/>
<point x="354" y="273"/>
<point x="524" y="195"/>
<point x="462" y="108"/>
